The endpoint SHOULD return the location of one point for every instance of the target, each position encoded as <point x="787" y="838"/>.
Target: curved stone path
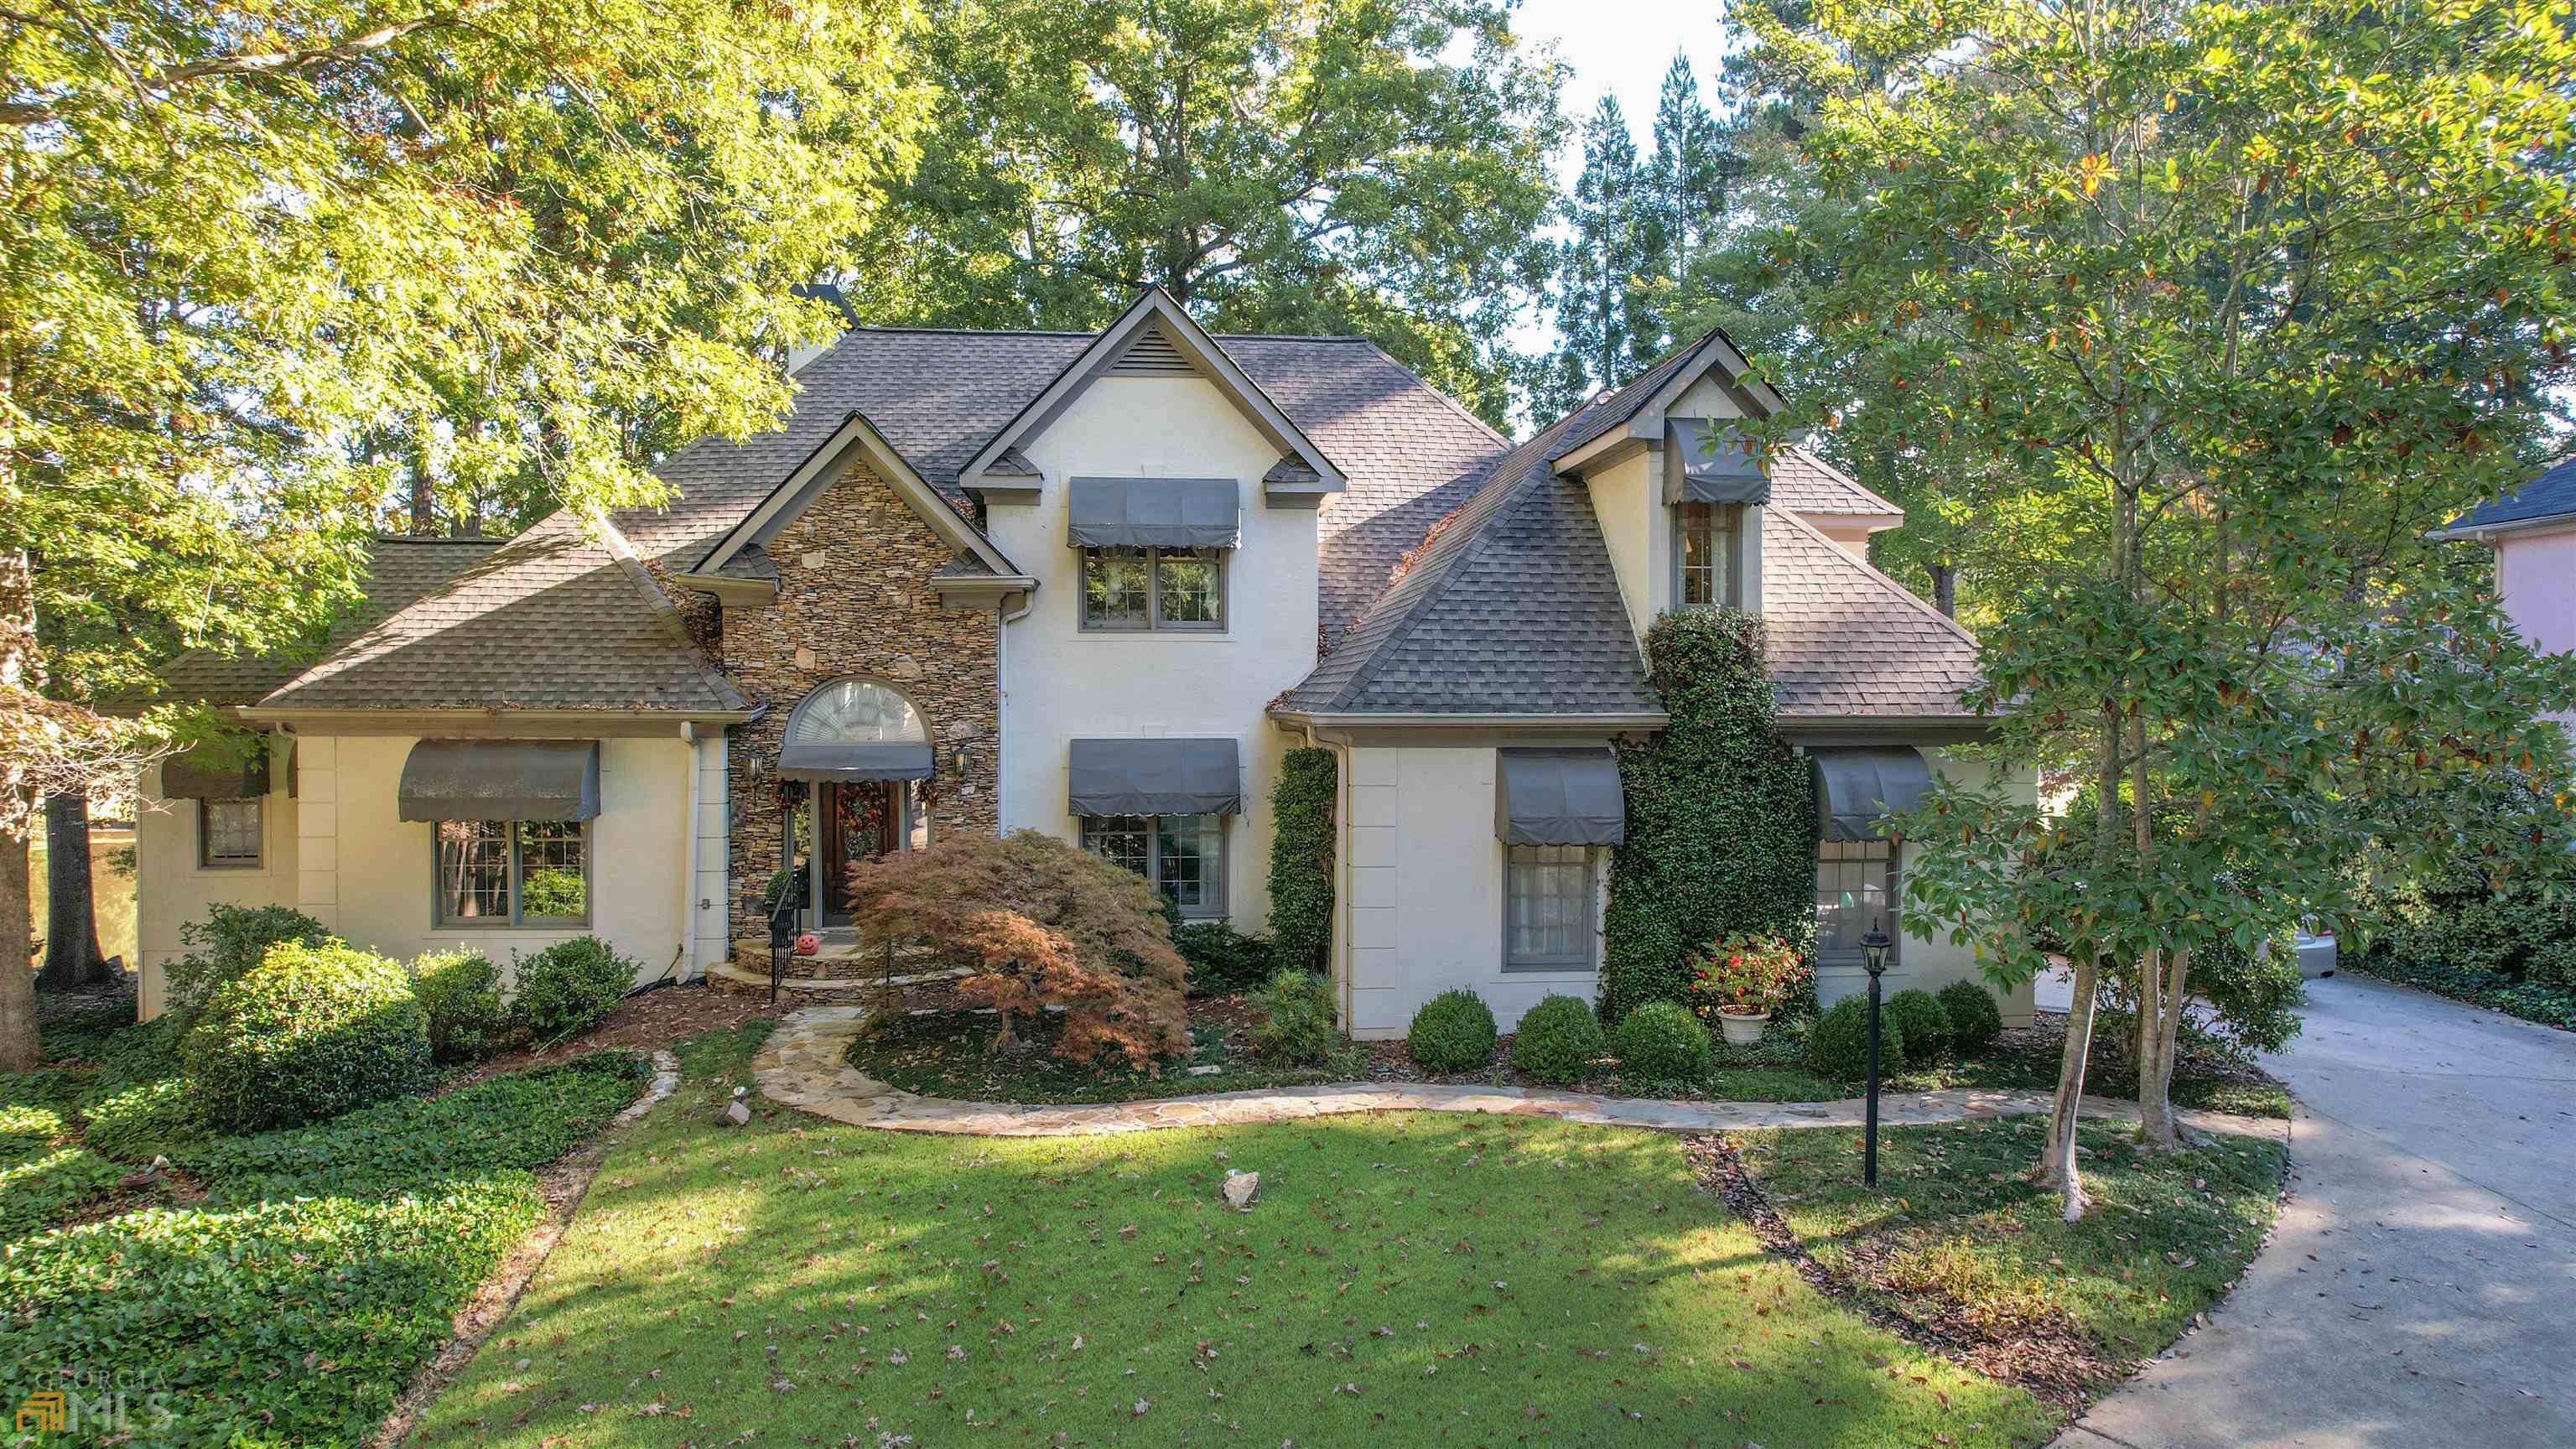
<point x="805" y="1064"/>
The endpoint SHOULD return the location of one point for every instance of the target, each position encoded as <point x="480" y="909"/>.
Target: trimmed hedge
<point x="1297" y="1028"/>
<point x="1838" y="1044"/>
<point x="1301" y="860"/>
<point x="1558" y="1040"/>
<point x="570" y="987"/>
<point x="1976" y="1022"/>
<point x="1721" y="834"/>
<point x="460" y="993"/>
<point x="310" y="1032"/>
<point x="1925" y="1024"/>
<point x="1661" y="1041"/>
<point x="1453" y="1032"/>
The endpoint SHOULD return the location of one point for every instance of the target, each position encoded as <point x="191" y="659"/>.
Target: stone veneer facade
<point x="856" y="597"/>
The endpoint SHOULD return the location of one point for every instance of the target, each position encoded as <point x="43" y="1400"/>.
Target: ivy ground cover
<point x="1407" y="1278"/>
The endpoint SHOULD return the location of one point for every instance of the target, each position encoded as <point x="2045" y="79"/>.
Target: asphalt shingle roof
<point x="1847" y="639"/>
<point x="938" y="396"/>
<point x="1511" y="606"/>
<point x="1806" y="484"/>
<point x="554" y="619"/>
<point x="2551" y="495"/>
<point x="400" y="569"/>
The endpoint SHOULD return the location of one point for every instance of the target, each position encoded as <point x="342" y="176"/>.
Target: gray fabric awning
<point x="1155" y="513"/>
<point x="500" y="780"/>
<point x="1856" y="786"/>
<point x="1716" y="468"/>
<point x="209" y="773"/>
<point x="1155" y="777"/>
<point x="1559" y="797"/>
<point x="854" y="762"/>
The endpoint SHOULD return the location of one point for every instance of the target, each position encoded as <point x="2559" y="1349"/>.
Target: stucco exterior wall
<point x="368" y="875"/>
<point x="1061" y="683"/>
<point x="855" y="598"/>
<point x="2536" y="579"/>
<point x="1424" y="891"/>
<point x="172" y="890"/>
<point x="1627" y="498"/>
<point x="1423" y="897"/>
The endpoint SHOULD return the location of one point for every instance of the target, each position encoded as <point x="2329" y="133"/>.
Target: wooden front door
<point x="860" y="821"/>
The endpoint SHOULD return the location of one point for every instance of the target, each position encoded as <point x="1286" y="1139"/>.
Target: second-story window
<point x="1705" y="548"/>
<point x="1153" y="588"/>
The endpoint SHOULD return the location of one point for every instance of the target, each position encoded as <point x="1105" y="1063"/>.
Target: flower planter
<point x="1742" y="1028"/>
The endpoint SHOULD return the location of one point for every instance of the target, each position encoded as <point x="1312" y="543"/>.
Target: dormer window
<point x="1707" y="545"/>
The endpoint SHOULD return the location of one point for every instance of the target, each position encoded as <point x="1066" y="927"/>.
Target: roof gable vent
<point x="1151" y="354"/>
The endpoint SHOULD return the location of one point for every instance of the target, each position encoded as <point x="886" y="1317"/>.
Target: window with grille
<point x="1153" y="588"/>
<point x="1183" y="855"/>
<point x="1855" y="881"/>
<point x="1705" y="538"/>
<point x="1548" y="908"/>
<point x="513" y="872"/>
<point x="228" y="833"/>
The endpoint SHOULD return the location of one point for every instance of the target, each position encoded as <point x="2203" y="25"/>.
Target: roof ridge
<point x="386" y="535"/>
<point x="1791" y="518"/>
<point x="1454" y="405"/>
<point x="1847" y="480"/>
<point x="1096" y="331"/>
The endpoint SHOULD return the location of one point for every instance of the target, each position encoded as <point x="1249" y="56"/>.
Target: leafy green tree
<point x="255" y="257"/>
<point x="1681" y="193"/>
<point x="1594" y="266"/>
<point x="1370" y="166"/>
<point x="2251" y="299"/>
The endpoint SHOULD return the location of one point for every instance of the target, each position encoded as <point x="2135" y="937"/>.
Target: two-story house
<point x="1095" y="585"/>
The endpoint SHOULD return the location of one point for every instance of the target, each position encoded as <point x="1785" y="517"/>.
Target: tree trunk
<point x="424" y="498"/>
<point x="19" y="1051"/>
<point x="2158" y="1131"/>
<point x="72" y="956"/>
<point x="1945" y="589"/>
<point x="2058" y="1168"/>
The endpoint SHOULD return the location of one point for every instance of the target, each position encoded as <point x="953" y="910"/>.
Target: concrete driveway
<point x="2420" y="1291"/>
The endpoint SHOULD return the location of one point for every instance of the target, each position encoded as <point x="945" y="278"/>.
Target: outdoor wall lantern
<point x="1873" y="958"/>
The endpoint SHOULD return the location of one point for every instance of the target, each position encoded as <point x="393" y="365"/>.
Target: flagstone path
<point x="805" y="1064"/>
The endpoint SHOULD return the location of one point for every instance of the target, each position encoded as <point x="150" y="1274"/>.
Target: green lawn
<point x="1956" y="1234"/>
<point x="1409" y="1278"/>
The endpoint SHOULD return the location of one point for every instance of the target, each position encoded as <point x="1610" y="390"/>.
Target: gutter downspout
<point x="689" y="857"/>
<point x="1003" y="619"/>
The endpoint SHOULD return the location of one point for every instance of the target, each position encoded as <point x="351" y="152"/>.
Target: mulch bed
<point x="643" y="1023"/>
<point x="2051" y="1361"/>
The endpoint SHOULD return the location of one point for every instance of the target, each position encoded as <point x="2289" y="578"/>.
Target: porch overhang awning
<point x="208" y="773"/>
<point x="1559" y="797"/>
<point x="1155" y="777"/>
<point x="1715" y="468"/>
<point x="500" y="780"/>
<point x="1154" y="513"/>
<point x="1856" y="786"/>
<point x="854" y="762"/>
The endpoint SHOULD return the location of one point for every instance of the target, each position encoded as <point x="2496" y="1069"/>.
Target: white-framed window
<point x="1855" y="882"/>
<point x="1707" y="550"/>
<point x="1183" y="855"/>
<point x="230" y="833"/>
<point x="512" y="872"/>
<point x="1153" y="589"/>
<point x="1549" y="908"/>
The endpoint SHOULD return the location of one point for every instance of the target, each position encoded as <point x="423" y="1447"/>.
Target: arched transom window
<point x="856" y="712"/>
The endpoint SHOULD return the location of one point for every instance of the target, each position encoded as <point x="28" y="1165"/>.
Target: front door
<point x="860" y="821"/>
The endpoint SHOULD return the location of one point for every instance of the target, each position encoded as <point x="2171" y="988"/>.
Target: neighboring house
<point x="1095" y="585"/>
<point x="2533" y="533"/>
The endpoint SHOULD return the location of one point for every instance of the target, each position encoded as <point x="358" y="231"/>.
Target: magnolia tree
<point x="1038" y="923"/>
<point x="2249" y="299"/>
<point x="270" y="265"/>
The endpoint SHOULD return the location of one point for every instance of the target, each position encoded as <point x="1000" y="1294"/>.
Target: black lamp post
<point x="1873" y="956"/>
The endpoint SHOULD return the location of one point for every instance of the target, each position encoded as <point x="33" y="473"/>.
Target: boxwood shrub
<point x="1661" y="1041"/>
<point x="570" y="987"/>
<point x="1925" y="1024"/>
<point x="1976" y="1022"/>
<point x="1558" y="1040"/>
<point x="1297" y="1029"/>
<point x="1838" y="1044"/>
<point x="1453" y="1032"/>
<point x="460" y="994"/>
<point x="224" y="947"/>
<point x="310" y="1032"/>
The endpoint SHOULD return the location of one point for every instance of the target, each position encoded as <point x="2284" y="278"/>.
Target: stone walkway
<point x="805" y="1064"/>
